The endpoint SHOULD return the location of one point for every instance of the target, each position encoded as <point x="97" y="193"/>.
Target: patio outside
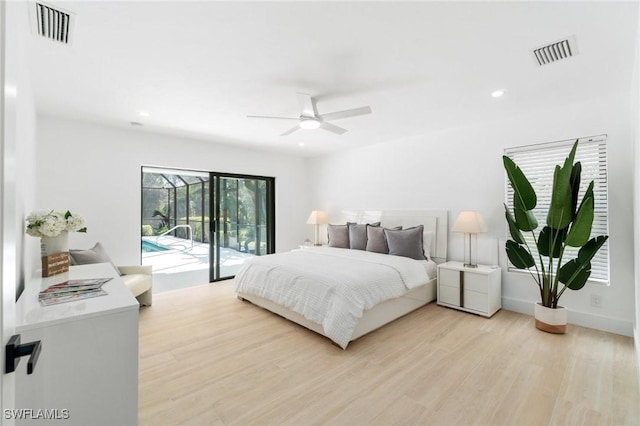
<point x="178" y="265"/>
<point x="179" y="211"/>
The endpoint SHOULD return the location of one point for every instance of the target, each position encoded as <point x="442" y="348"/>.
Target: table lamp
<point x="317" y="218"/>
<point x="470" y="223"/>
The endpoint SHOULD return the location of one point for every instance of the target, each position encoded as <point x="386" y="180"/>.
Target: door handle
<point x="14" y="351"/>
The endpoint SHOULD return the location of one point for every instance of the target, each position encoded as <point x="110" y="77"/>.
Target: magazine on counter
<point x="72" y="290"/>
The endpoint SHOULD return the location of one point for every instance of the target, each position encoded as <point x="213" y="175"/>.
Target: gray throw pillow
<point x="358" y="235"/>
<point x="96" y="254"/>
<point x="338" y="236"/>
<point x="376" y="241"/>
<point x="407" y="243"/>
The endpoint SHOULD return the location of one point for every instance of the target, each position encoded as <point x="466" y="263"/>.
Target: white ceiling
<point x="198" y="68"/>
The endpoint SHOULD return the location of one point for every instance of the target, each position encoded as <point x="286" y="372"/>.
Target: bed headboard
<point x="434" y="221"/>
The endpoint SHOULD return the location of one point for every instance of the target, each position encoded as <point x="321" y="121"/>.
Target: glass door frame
<point x="215" y="196"/>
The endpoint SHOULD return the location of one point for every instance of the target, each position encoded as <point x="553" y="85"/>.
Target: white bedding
<point x="330" y="286"/>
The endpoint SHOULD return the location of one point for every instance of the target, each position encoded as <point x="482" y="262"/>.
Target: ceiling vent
<point x="52" y="23"/>
<point x="555" y="52"/>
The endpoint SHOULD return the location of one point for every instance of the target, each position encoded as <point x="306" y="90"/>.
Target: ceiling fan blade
<point x="277" y="118"/>
<point x="291" y="130"/>
<point x="332" y="128"/>
<point x="306" y="105"/>
<point x="346" y="113"/>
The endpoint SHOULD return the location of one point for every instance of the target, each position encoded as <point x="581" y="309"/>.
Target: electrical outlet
<point x="596" y="300"/>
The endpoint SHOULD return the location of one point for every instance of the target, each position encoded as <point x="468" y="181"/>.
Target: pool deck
<point x="183" y="266"/>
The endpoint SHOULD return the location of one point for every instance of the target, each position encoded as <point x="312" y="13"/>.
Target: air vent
<point x="52" y="23"/>
<point x="555" y="52"/>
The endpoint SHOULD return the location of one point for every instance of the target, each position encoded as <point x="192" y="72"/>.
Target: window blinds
<point x="538" y="163"/>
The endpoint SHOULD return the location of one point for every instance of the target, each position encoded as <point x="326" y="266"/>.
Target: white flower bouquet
<point x="53" y="223"/>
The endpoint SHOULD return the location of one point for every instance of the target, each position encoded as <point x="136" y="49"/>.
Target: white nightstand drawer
<point x="450" y="295"/>
<point x="476" y="301"/>
<point x="475" y="282"/>
<point x="450" y="277"/>
<point x="480" y="287"/>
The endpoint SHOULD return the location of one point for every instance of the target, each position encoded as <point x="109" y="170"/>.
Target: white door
<point x="8" y="251"/>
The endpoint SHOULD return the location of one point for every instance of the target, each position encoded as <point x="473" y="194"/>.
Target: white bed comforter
<point x="330" y="286"/>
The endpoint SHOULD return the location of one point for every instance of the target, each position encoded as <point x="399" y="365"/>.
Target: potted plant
<point x="567" y="224"/>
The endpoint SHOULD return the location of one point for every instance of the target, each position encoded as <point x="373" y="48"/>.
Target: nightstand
<point x="476" y="290"/>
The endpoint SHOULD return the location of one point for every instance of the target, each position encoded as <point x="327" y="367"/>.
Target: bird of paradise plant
<point x="567" y="224"/>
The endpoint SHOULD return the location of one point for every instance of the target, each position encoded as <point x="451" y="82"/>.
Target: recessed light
<point x="497" y="93"/>
<point x="143" y="114"/>
<point x="301" y="144"/>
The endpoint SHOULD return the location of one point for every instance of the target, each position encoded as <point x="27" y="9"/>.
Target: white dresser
<point x="88" y="366"/>
<point x="476" y="290"/>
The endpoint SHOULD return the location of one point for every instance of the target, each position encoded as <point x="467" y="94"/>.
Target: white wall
<point x="635" y="123"/>
<point x="25" y="177"/>
<point x="95" y="171"/>
<point x="461" y="168"/>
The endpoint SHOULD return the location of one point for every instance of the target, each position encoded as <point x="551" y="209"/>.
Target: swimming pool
<point x="149" y="247"/>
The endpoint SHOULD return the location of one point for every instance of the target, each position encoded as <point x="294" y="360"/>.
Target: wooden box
<point x="55" y="264"/>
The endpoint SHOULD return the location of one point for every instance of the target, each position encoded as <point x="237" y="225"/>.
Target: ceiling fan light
<point x="309" y="123"/>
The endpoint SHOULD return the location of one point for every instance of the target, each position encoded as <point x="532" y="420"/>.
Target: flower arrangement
<point x="53" y="223"/>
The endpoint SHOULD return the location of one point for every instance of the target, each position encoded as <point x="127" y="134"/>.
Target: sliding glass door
<point x="245" y="221"/>
<point x="201" y="227"/>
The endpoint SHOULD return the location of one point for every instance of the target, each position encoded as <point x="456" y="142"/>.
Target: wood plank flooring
<point x="207" y="358"/>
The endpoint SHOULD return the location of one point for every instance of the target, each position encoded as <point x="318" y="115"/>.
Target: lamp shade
<point x="469" y="222"/>
<point x="317" y="217"/>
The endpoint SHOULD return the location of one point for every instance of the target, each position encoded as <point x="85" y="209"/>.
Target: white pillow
<point x="426" y="243"/>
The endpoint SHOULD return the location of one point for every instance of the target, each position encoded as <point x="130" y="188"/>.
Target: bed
<point x="342" y="293"/>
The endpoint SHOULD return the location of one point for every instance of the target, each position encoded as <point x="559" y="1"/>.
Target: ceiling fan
<point x="310" y="119"/>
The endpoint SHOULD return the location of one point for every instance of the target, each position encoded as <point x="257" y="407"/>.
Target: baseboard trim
<point x="584" y="319"/>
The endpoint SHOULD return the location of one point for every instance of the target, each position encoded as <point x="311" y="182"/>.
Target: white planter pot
<point x="550" y="320"/>
<point x="54" y="245"/>
<point x="55" y="254"/>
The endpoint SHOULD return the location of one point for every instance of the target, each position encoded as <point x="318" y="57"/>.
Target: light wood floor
<point x="208" y="359"/>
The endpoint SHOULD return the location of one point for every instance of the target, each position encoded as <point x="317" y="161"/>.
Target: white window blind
<point x="538" y="163"/>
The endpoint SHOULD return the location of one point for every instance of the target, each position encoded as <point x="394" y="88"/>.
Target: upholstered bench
<point x="139" y="279"/>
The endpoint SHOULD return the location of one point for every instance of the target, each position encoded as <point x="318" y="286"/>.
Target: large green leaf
<point x="513" y="228"/>
<point x="522" y="189"/>
<point x="519" y="256"/>
<point x="586" y="253"/>
<point x="581" y="227"/>
<point x="550" y="241"/>
<point x="561" y="208"/>
<point x="574" y="182"/>
<point x="525" y="220"/>
<point x="574" y="274"/>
